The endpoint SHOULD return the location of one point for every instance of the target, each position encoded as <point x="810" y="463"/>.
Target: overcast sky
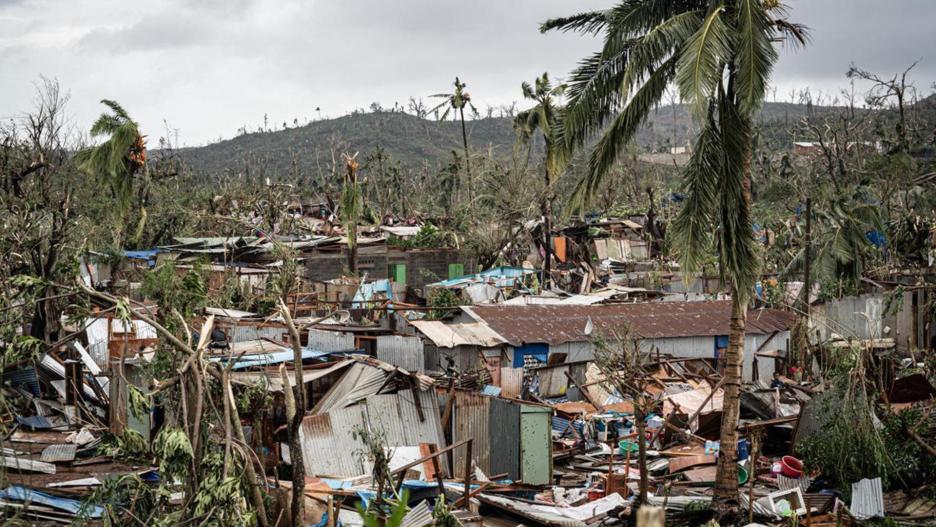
<point x="208" y="67"/>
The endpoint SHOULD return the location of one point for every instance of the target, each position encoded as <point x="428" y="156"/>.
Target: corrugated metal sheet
<point x="471" y="418"/>
<point x="458" y="334"/>
<point x="560" y="323"/>
<point x="867" y="499"/>
<point x="97" y="342"/>
<point x="247" y="333"/>
<point x="324" y="340"/>
<point x="328" y="444"/>
<point x="360" y="382"/>
<point x="511" y="381"/>
<point x="404" y="352"/>
<point x="505" y="438"/>
<point x="398" y="416"/>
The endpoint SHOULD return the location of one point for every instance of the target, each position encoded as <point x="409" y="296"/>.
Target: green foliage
<point x="115" y="161"/>
<point x="441" y="515"/>
<point x="442" y="297"/>
<point x="130" y="446"/>
<point x="186" y="293"/>
<point x="374" y="518"/>
<point x="428" y="237"/>
<point x="173" y="450"/>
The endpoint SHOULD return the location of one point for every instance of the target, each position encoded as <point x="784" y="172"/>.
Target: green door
<point x="456" y="270"/>
<point x="397" y="273"/>
<point x="535" y="445"/>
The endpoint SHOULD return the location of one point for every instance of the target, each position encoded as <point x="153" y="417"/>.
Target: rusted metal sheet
<point x="471" y="419"/>
<point x="328" y="444"/>
<point x="399" y="417"/>
<point x="559" y="323"/>
<point x="404" y="352"/>
<point x="511" y="381"/>
<point x="62" y="452"/>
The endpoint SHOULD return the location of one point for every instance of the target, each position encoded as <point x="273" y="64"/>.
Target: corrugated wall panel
<point x="328" y="445"/>
<point x="404" y="352"/>
<point x="511" y="381"/>
<point x="505" y="438"/>
<point x="471" y="418"/>
<point x="553" y="381"/>
<point x="322" y="340"/>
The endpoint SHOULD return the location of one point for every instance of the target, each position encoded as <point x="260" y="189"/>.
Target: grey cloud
<point x="210" y="66"/>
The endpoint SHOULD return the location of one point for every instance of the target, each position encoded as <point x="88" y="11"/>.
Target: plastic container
<point x="791" y="467"/>
<point x="627" y="445"/>
<point x="743" y="451"/>
<point x="742" y="475"/>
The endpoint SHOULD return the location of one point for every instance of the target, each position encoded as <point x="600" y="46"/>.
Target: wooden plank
<point x="682" y="463"/>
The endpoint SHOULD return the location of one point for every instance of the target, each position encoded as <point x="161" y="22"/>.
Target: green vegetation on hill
<point x="416" y="142"/>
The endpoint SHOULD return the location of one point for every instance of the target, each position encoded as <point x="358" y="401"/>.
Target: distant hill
<point x="420" y="143"/>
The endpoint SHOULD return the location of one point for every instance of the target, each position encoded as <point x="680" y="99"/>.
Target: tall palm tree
<point x="115" y="161"/>
<point x="457" y="100"/>
<point x="543" y="118"/>
<point x="719" y="53"/>
<point x="352" y="207"/>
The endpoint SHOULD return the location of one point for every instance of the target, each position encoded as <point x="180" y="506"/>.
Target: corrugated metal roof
<point x="328" y="444"/>
<point x="357" y="383"/>
<point x="562" y="323"/>
<point x="462" y="334"/>
<point x="471" y="418"/>
<point x="274" y="381"/>
<point x="405" y="352"/>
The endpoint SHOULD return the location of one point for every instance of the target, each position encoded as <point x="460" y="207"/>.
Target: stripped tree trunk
<point x="726" y="478"/>
<point x="547" y="232"/>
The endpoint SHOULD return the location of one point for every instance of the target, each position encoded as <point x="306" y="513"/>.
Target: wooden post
<point x="752" y="471"/>
<point x="627" y="459"/>
<point x="330" y="510"/>
<point x="467" y="472"/>
<point x="648" y="516"/>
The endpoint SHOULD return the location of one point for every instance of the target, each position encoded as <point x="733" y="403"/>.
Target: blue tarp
<point x="18" y="493"/>
<point x="876" y="238"/>
<point x="502" y="276"/>
<point x="367" y="291"/>
<point x="149" y="255"/>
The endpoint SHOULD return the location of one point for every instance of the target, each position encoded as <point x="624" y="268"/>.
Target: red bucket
<point x="791" y="467"/>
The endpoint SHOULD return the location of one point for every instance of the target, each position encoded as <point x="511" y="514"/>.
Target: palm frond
<point x="738" y="252"/>
<point x="692" y="229"/>
<point x="702" y="61"/>
<point x="659" y="43"/>
<point x="590" y="22"/>
<point x="756" y="55"/>
<point x="622" y="130"/>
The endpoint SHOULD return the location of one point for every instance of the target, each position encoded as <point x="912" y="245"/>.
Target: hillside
<point x="416" y="142"/>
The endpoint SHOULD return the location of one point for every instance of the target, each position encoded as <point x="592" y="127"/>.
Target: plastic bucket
<point x="742" y="475"/>
<point x="627" y="445"/>
<point x="791" y="467"/>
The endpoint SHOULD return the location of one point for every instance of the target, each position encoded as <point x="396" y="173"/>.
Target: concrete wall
<point x="423" y="266"/>
<point x="693" y="347"/>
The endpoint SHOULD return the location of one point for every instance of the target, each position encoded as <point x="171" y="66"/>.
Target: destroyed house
<point x="540" y="334"/>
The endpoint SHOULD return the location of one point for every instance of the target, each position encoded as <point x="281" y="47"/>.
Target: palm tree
<point x="457" y="100"/>
<point x="115" y="161"/>
<point x="719" y="53"/>
<point x="352" y="206"/>
<point x="543" y="117"/>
